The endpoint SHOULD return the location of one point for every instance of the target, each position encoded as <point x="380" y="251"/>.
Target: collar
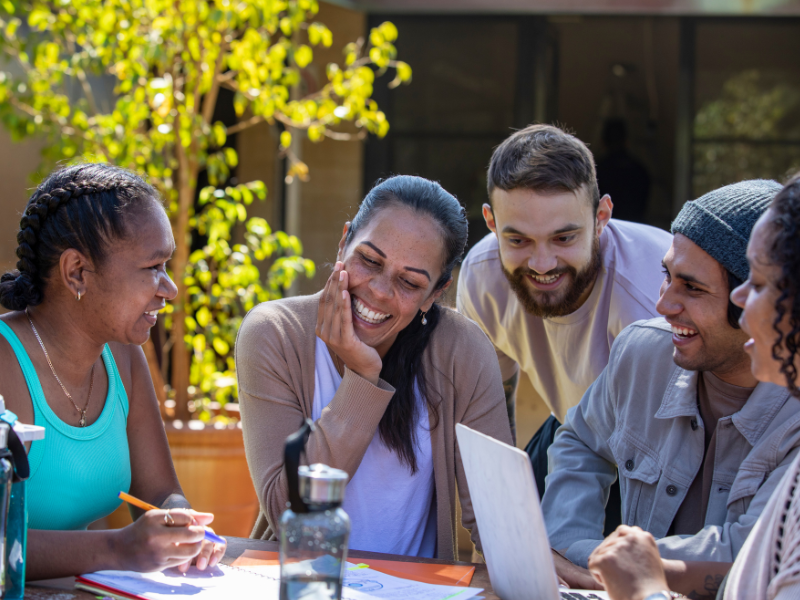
<point x="680" y="400"/>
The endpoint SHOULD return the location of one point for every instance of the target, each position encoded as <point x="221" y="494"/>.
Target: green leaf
<point x="221" y="346"/>
<point x="303" y="56"/>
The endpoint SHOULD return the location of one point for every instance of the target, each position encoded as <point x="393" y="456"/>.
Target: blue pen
<point x="209" y="535"/>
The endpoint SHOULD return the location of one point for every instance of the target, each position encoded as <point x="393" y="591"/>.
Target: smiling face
<point x="132" y="284"/>
<point x="549" y="246"/>
<point x="758" y="296"/>
<point x="694" y="300"/>
<point x="393" y="264"/>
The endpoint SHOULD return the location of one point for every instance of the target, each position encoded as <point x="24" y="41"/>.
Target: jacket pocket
<point x="744" y="487"/>
<point x="639" y="473"/>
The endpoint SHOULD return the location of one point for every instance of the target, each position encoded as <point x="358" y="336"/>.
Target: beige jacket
<point x="275" y="367"/>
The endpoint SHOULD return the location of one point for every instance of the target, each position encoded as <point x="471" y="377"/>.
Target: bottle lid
<point x="321" y="484"/>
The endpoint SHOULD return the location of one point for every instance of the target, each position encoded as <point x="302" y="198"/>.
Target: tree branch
<point x="242" y="125"/>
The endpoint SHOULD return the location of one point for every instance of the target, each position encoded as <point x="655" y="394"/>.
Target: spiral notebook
<point x="256" y="581"/>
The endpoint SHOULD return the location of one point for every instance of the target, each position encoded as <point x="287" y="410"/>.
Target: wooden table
<point x="236" y="546"/>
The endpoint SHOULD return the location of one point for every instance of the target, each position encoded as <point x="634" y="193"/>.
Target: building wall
<point x="17" y="162"/>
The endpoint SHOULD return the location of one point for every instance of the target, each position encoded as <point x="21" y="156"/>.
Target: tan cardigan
<point x="275" y="353"/>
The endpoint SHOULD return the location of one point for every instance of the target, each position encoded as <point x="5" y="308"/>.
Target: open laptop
<point x="509" y="517"/>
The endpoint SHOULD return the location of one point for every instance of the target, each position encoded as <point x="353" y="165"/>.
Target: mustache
<point x="520" y="271"/>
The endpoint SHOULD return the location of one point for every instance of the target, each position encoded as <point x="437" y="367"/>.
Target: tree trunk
<point x="187" y="178"/>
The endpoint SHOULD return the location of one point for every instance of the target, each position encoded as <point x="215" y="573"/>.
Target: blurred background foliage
<point x="749" y="132"/>
<point x="136" y="83"/>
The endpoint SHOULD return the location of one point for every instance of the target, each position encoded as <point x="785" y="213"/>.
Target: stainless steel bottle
<point x="314" y="529"/>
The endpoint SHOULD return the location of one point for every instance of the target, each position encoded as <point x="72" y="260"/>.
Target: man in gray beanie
<point x="700" y="445"/>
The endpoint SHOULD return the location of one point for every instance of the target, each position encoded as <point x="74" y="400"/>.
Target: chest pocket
<point x="639" y="472"/>
<point x="744" y="487"/>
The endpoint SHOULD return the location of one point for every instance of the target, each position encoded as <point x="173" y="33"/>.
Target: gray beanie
<point x="721" y="221"/>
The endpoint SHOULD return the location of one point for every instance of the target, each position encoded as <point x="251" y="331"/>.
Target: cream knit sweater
<point x="275" y="368"/>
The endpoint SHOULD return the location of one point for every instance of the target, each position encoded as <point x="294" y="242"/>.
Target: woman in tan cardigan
<point x="383" y="371"/>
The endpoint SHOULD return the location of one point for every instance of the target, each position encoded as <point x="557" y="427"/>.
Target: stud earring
<point x="424" y="319"/>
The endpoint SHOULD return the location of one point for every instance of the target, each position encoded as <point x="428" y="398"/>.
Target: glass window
<point x="747" y="102"/>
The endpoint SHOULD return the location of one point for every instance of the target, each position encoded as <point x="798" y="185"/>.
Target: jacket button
<point x="694" y="424"/>
<point x="671" y="490"/>
<point x="629" y="464"/>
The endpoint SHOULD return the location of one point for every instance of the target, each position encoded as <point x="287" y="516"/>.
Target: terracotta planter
<point x="213" y="473"/>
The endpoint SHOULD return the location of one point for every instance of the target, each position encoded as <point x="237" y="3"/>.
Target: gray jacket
<point x="639" y="416"/>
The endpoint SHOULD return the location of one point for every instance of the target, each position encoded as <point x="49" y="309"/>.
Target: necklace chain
<point x="82" y="411"/>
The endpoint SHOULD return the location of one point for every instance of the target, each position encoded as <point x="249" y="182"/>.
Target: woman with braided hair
<point x="627" y="563"/>
<point x="91" y="278"/>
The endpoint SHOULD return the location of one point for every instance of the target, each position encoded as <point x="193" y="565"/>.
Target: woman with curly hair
<point x="91" y="278"/>
<point x="768" y="566"/>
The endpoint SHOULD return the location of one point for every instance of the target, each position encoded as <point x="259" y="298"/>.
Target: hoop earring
<point x="78" y="297"/>
<point x="424" y="319"/>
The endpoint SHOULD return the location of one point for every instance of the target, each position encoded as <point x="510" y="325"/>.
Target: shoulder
<point x="647" y="342"/>
<point x="457" y="337"/>
<point x="288" y="316"/>
<point x="482" y="261"/>
<point x="275" y="326"/>
<point x="632" y="256"/>
<point x="134" y="372"/>
<point x="483" y="291"/>
<point x="629" y="246"/>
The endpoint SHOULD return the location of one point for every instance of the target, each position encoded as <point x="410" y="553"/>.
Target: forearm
<point x="53" y="554"/>
<point x="695" y="580"/>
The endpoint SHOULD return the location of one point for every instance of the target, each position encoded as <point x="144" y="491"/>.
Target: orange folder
<point x="425" y="572"/>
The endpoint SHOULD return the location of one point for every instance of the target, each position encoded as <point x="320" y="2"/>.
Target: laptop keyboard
<point x="579" y="596"/>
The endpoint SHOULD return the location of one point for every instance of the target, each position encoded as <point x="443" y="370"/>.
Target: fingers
<point x="201" y="518"/>
<point x="216" y="556"/>
<point x="327" y="304"/>
<point x="338" y="333"/>
<point x="203" y="558"/>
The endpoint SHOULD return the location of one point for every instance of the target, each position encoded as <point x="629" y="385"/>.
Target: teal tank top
<point x="76" y="472"/>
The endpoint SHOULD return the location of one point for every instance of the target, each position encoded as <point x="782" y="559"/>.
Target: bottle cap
<point x="321" y="484"/>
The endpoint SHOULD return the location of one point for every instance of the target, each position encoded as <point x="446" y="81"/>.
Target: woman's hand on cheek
<point x="335" y="328"/>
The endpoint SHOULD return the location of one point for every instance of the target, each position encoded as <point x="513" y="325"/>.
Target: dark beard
<point x="540" y="304"/>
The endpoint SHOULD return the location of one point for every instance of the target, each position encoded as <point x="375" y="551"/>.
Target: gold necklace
<point x="82" y="411"/>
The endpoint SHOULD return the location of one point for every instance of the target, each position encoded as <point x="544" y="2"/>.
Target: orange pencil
<point x="210" y="535"/>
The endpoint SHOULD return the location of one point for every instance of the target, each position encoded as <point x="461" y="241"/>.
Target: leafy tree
<point x="136" y="82"/>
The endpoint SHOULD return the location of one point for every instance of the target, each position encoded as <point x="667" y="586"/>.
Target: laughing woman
<point x="91" y="277"/>
<point x="384" y="371"/>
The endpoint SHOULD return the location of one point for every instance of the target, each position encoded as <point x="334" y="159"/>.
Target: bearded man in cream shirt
<point x="557" y="279"/>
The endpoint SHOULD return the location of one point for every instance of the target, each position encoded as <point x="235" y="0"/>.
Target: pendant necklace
<point x="82" y="411"/>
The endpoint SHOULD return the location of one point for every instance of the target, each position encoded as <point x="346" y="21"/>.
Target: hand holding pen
<point x="175" y="537"/>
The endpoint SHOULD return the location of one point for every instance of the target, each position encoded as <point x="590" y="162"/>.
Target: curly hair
<point x="785" y="253"/>
<point x="82" y="207"/>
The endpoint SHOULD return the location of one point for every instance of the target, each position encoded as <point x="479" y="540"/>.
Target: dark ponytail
<point x="82" y="207"/>
<point x="403" y="366"/>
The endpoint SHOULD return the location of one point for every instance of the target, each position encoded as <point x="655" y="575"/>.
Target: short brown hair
<point x="543" y="158"/>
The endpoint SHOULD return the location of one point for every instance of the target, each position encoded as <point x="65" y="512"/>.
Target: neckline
<point x="42" y="410"/>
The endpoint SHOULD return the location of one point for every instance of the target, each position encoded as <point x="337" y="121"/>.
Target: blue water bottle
<point x="14" y="471"/>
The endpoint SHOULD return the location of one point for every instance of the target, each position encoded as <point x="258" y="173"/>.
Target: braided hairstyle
<point x="82" y="207"/>
<point x="785" y="253"/>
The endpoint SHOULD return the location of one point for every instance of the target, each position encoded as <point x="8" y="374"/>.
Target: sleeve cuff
<point x="360" y="403"/>
<point x="578" y="553"/>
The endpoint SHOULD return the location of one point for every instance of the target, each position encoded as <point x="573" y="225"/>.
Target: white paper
<point x="220" y="582"/>
<point x="364" y="583"/>
<point x="262" y="583"/>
